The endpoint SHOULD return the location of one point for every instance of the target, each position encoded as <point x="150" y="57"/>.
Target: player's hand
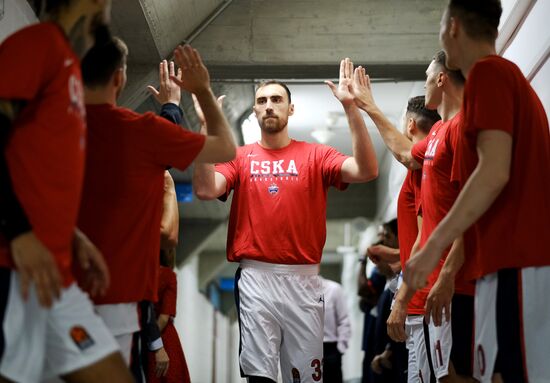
<point x="362" y="89"/>
<point x="194" y="76"/>
<point x="343" y="92"/>
<point x="420" y="265"/>
<point x="396" y="322"/>
<point x="200" y="113"/>
<point x="381" y="362"/>
<point x="439" y="300"/>
<point x="382" y="253"/>
<point x="36" y="264"/>
<point x="169" y="91"/>
<point x="162" y="362"/>
<point x="90" y="260"/>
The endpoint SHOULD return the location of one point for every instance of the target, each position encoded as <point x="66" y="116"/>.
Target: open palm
<point x="343" y="92"/>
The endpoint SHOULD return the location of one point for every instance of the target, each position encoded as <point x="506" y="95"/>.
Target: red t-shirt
<point x="513" y="233"/>
<point x="123" y="192"/>
<point x="408" y="206"/>
<point x="278" y="212"/>
<point x="45" y="154"/>
<point x="439" y="192"/>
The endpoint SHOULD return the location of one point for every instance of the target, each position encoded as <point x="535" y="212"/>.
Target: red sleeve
<point x="230" y="170"/>
<point x="29" y="60"/>
<point x="491" y="90"/>
<point x="419" y="149"/>
<point x="170" y="294"/>
<point x="416" y="179"/>
<point x="452" y="141"/>
<point x="331" y="166"/>
<point x="171" y="144"/>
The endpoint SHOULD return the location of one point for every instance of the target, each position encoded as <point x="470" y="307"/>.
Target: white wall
<point x="17" y="13"/>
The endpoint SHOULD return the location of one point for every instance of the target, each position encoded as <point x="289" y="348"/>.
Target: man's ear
<point x="291" y="109"/>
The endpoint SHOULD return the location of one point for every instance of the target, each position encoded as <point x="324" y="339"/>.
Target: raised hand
<point x="344" y="92"/>
<point x="362" y="89"/>
<point x="169" y="91"/>
<point x="194" y="75"/>
<point x="91" y="261"/>
<point x="36" y="264"/>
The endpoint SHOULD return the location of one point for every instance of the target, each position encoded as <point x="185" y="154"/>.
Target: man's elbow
<point x="168" y="240"/>
<point x="204" y="195"/>
<point x="369" y="174"/>
<point x="499" y="179"/>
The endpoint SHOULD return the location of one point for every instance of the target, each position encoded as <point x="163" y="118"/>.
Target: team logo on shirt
<point x="273" y="189"/>
<point x="269" y="171"/>
<point x="81" y="338"/>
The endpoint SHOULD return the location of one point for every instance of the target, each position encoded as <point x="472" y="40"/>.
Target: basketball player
<point x="49" y="327"/>
<point x="502" y="206"/>
<point x="277" y="230"/>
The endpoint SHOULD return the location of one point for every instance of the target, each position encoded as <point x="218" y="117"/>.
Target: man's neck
<point x="451" y="102"/>
<point x="275" y="141"/>
<point x="100" y="96"/>
<point x="473" y="52"/>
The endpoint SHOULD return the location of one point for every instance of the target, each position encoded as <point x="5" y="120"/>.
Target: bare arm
<point x="397" y="143"/>
<point x="207" y="183"/>
<point x="219" y="145"/>
<point x="396" y="320"/>
<point x="490" y="176"/>
<point x="440" y="296"/>
<point x="169" y="224"/>
<point x="363" y="166"/>
<point x="162" y="321"/>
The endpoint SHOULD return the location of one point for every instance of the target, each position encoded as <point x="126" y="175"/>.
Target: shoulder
<point x="36" y="36"/>
<point x="493" y="68"/>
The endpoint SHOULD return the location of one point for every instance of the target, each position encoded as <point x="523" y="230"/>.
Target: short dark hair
<point x="102" y="61"/>
<point x="391" y="226"/>
<point x="425" y="118"/>
<point x="456" y="76"/>
<point x="49" y="6"/>
<point x="479" y="17"/>
<point x="271" y="82"/>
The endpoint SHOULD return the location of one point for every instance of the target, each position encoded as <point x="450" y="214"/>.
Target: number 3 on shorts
<point x="318" y="374"/>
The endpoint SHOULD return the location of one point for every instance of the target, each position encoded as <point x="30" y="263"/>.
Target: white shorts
<point x="122" y="319"/>
<point x="281" y="312"/>
<point x="512" y="325"/>
<point x="43" y="343"/>
<point x="419" y="364"/>
<point x="453" y="340"/>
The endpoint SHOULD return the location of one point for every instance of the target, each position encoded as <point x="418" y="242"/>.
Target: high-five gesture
<point x="343" y="92"/>
<point x="169" y="91"/>
<point x="194" y="75"/>
<point x="362" y="90"/>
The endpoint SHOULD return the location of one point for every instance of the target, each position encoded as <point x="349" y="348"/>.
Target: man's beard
<point x="272" y="125"/>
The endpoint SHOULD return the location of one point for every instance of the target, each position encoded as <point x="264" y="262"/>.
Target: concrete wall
<point x="17" y="13"/>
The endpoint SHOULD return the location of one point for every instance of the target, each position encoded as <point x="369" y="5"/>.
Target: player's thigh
<point x="23" y="331"/>
<point x="76" y="337"/>
<point x="111" y="368"/>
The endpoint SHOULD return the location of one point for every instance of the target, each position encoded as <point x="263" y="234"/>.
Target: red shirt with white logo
<point x="45" y="154"/>
<point x="514" y="231"/>
<point x="123" y="193"/>
<point x="408" y="206"/>
<point x="278" y="212"/>
<point x="439" y="192"/>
